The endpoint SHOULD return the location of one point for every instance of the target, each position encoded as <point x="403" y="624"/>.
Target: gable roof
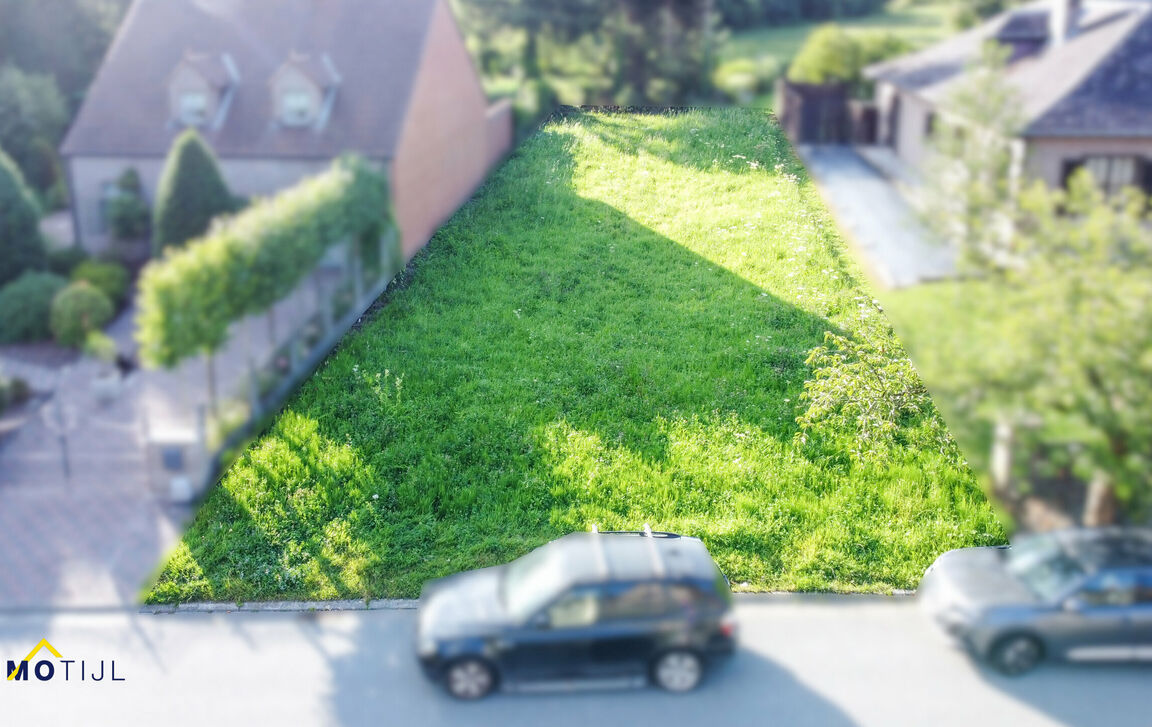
<point x="1098" y="82"/>
<point x="376" y="45"/>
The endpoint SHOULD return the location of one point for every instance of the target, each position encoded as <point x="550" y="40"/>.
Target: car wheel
<point x="1016" y="654"/>
<point x="678" y="670"/>
<point x="470" y="679"/>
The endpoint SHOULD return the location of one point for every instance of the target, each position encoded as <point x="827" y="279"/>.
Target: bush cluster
<point x="246" y="263"/>
<point x="78" y="310"/>
<point x="25" y="305"/>
<point x="110" y="278"/>
<point x="833" y="55"/>
<point x="63" y="260"/>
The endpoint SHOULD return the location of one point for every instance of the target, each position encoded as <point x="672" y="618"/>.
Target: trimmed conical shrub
<point x="190" y="194"/>
<point x="20" y="245"/>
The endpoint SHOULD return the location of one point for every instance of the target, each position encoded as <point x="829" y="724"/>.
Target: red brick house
<point x="279" y="88"/>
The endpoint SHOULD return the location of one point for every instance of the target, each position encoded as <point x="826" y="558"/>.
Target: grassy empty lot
<point x="613" y="332"/>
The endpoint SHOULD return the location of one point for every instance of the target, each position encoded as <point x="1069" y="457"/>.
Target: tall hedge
<point x="191" y="193"/>
<point x="20" y="245"/>
<point x="190" y="297"/>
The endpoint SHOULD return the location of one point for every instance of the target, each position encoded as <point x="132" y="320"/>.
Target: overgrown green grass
<point x="613" y="332"/>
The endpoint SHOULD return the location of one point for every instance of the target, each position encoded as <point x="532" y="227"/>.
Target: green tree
<point x="971" y="202"/>
<point x="1065" y="298"/>
<point x="833" y="55"/>
<point x="191" y="193"/>
<point x="65" y="39"/>
<point x="32" y="117"/>
<point x="21" y="247"/>
<point x="829" y="55"/>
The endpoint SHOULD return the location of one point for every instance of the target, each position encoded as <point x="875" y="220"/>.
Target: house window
<point x="193" y="107"/>
<point x="930" y="124"/>
<point x="296" y="108"/>
<point x="1112" y="173"/>
<point x="109" y="191"/>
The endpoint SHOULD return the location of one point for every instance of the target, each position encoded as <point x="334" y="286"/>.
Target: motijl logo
<point x="45" y="669"/>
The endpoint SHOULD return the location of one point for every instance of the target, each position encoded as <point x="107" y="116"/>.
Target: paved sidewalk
<point x="83" y="522"/>
<point x="831" y="661"/>
<point x="896" y="248"/>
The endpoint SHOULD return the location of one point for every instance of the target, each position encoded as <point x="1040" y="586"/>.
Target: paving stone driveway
<point x="871" y="211"/>
<point x="88" y="537"/>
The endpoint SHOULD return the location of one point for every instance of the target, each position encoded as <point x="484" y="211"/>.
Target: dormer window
<point x="296" y="107"/>
<point x="193" y="108"/>
<point x="304" y="90"/>
<point x="200" y="89"/>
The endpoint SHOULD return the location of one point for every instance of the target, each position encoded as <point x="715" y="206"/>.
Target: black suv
<point x="607" y="607"/>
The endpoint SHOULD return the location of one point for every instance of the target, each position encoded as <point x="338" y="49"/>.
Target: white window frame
<point x="193" y="107"/>
<point x="292" y="111"/>
<point x="1114" y="172"/>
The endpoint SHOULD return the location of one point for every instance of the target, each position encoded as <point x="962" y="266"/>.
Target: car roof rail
<point x="643" y="533"/>
<point x="657" y="558"/>
<point x="598" y="546"/>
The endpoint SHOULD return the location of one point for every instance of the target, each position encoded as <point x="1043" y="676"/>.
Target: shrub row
<point x="247" y="262"/>
<point x="31" y="307"/>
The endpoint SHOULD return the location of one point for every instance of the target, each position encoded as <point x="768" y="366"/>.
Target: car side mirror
<point x="1073" y="604"/>
<point x="540" y="621"/>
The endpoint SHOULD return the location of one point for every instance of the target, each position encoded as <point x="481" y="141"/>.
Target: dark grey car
<point x="592" y="608"/>
<point x="1075" y="594"/>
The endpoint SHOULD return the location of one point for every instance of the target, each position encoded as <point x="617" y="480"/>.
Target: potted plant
<point x="106" y="385"/>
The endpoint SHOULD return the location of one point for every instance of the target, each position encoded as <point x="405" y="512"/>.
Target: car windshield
<point x="531" y="582"/>
<point x="1044" y="567"/>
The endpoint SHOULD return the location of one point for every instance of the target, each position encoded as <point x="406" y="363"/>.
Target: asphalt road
<point x="826" y="661"/>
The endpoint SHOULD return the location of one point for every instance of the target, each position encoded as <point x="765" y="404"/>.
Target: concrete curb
<point x="383" y="604"/>
<point x="407" y="604"/>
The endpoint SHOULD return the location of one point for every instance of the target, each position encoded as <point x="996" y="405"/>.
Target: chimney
<point x="1063" y="21"/>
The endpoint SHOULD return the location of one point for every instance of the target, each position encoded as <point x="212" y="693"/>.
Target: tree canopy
<point x="1068" y="350"/>
<point x="21" y="247"/>
<point x="191" y="193"/>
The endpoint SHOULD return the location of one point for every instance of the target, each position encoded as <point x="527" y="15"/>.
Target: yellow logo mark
<point x="42" y="645"/>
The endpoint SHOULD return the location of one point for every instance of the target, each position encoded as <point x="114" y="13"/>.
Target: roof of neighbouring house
<point x="1098" y="82"/>
<point x="370" y="49"/>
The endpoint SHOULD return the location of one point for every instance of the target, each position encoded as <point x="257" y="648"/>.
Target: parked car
<point x="1076" y="594"/>
<point x="620" y="607"/>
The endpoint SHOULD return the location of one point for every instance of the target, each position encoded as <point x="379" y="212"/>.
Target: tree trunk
<point x="210" y="367"/>
<point x="531" y="60"/>
<point x="1100" y="507"/>
<point x="272" y="338"/>
<point x="1001" y="464"/>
